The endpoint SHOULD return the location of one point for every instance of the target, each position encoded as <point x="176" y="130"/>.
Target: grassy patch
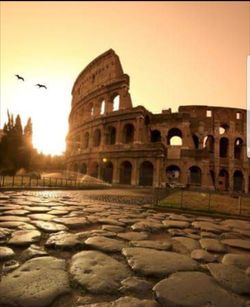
<point x="207" y="202"/>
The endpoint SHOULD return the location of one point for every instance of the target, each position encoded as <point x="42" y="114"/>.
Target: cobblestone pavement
<point x="68" y="249"/>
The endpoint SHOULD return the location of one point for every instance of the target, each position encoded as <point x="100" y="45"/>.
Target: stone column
<point x="246" y="182"/>
<point x="138" y="129"/>
<point x="135" y="173"/>
<point x="156" y="173"/>
<point x="116" y="172"/>
<point x="118" y="133"/>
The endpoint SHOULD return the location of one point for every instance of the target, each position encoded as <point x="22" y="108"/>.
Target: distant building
<point x="110" y="139"/>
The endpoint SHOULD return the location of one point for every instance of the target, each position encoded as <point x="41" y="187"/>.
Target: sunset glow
<point x="175" y="53"/>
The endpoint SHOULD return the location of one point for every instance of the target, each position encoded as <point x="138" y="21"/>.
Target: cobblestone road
<point x="74" y="249"/>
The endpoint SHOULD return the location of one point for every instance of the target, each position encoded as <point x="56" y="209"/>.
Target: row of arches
<point x="105" y="172"/>
<point x="110" y="136"/>
<point x="174" y="137"/>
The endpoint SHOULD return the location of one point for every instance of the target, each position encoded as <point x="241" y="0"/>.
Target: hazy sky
<point x="176" y="53"/>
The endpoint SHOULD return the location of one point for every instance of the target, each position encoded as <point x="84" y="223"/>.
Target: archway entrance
<point x="195" y="175"/>
<point x="223" y="182"/>
<point x="238" y="180"/>
<point x="173" y="173"/>
<point x="125" y="172"/>
<point x="146" y="174"/>
<point x="107" y="171"/>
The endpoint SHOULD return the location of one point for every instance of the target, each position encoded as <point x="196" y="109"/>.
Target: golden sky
<point x="176" y="53"/>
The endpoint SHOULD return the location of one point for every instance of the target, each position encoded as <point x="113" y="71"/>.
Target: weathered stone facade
<point x="110" y="139"/>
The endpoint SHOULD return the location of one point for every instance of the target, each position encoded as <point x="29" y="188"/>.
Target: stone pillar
<point x="156" y="174"/>
<point x="109" y="105"/>
<point x="246" y="182"/>
<point x="116" y="172"/>
<point x="135" y="173"/>
<point x="138" y="129"/>
<point x="118" y="133"/>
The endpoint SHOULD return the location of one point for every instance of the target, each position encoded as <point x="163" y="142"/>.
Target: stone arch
<point x="102" y="106"/>
<point x="173" y="173"/>
<point x="174" y="137"/>
<point x="83" y="168"/>
<point x="111" y="135"/>
<point x="94" y="169"/>
<point x="223" y="180"/>
<point x="107" y="171"/>
<point x="125" y="172"/>
<point x="238" y="181"/>
<point x="224" y="144"/>
<point x="128" y="133"/>
<point x="238" y="148"/>
<point x="116" y="102"/>
<point x="155" y="136"/>
<point x="196" y="141"/>
<point x="195" y="175"/>
<point x="208" y="143"/>
<point x="86" y="140"/>
<point x="146" y="173"/>
<point x="223" y="128"/>
<point x="97" y="138"/>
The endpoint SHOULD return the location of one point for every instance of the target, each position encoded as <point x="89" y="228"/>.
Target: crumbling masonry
<point x="110" y="139"/>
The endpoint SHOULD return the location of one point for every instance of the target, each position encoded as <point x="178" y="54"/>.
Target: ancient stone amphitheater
<point x="110" y="139"/>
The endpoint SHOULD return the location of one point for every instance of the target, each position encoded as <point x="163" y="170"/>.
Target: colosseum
<point x="108" y="138"/>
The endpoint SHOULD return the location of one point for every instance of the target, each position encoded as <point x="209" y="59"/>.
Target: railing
<point x="44" y="182"/>
<point x="204" y="201"/>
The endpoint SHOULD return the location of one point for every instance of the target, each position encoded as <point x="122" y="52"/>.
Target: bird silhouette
<point x="19" y="77"/>
<point x="41" y="85"/>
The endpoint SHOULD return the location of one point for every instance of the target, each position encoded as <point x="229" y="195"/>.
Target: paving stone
<point x="174" y="232"/>
<point x="113" y="228"/>
<point x="238" y="243"/>
<point x="16" y="212"/>
<point x="32" y="252"/>
<point x="205" y="234"/>
<point x="133" y="236"/>
<point x="97" y="272"/>
<point x="180" y="217"/>
<point x="126" y="301"/>
<point x="148" y="226"/>
<point x="194" y="289"/>
<point x="212" y="245"/>
<point x="148" y="261"/>
<point x="176" y="224"/>
<point x="203" y="256"/>
<point x="240" y="260"/>
<point x="110" y="222"/>
<point x="49" y="226"/>
<point x="136" y="285"/>
<point x="160" y="245"/>
<point x="230" y="277"/>
<point x="4" y="233"/>
<point x="94" y="233"/>
<point x="190" y="244"/>
<point x="58" y="212"/>
<point x="19" y="225"/>
<point x="9" y="266"/>
<point x="6" y="253"/>
<point x="105" y="244"/>
<point x="210" y="227"/>
<point x="35" y="283"/>
<point x="236" y="224"/>
<point x="42" y="216"/>
<point x="24" y="237"/>
<point x="36" y="209"/>
<point x="72" y="222"/>
<point x="13" y="218"/>
<point x="63" y="239"/>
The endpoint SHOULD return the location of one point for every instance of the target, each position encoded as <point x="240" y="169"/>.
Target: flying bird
<point x="41" y="85"/>
<point x="19" y="77"/>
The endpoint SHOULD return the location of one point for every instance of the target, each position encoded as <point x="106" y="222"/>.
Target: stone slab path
<point x="66" y="249"/>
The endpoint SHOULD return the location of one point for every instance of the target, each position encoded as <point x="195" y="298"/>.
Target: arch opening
<point x="125" y="172"/>
<point x="238" y="181"/>
<point x="83" y="168"/>
<point x="224" y="147"/>
<point x="223" y="180"/>
<point x="107" y="171"/>
<point x="195" y="175"/>
<point x="128" y="133"/>
<point x="94" y="169"/>
<point x="111" y="136"/>
<point x="146" y="174"/>
<point x="238" y="148"/>
<point x="155" y="136"/>
<point x="97" y="138"/>
<point x="173" y="173"/>
<point x="208" y="143"/>
<point x="174" y="137"/>
<point x="116" y="103"/>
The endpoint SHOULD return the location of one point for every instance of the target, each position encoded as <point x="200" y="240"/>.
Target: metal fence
<point x="44" y="182"/>
<point x="205" y="201"/>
